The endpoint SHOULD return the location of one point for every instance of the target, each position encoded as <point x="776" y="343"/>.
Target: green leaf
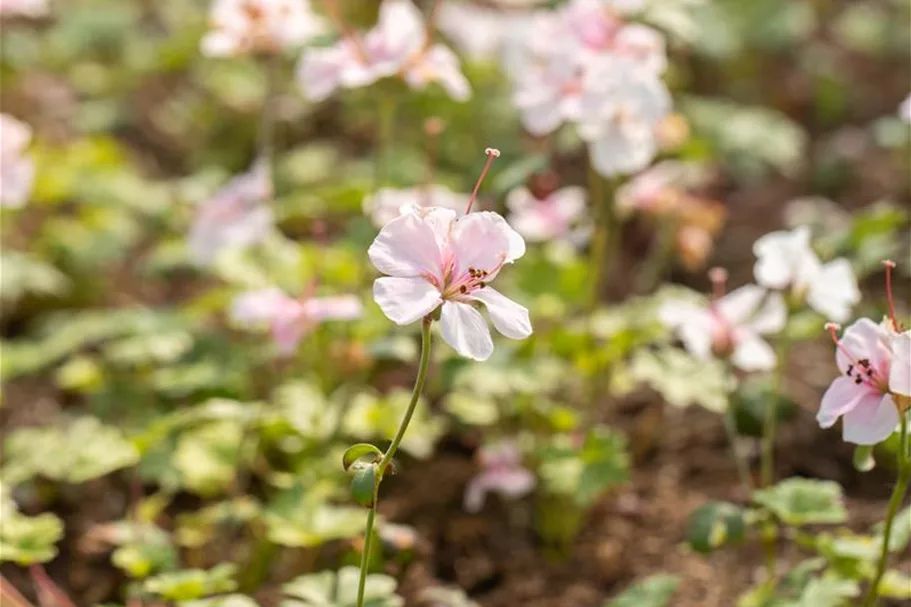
<point x="330" y="589"/>
<point x="654" y="591"/>
<point x="801" y="501"/>
<point x="356" y="452"/>
<point x="206" y="457"/>
<point x="682" y="379"/>
<point x="901" y="531"/>
<point x="363" y="485"/>
<point x="715" y="524"/>
<point x="26" y="540"/>
<point x="831" y="592"/>
<point x="895" y="585"/>
<point x="230" y="600"/>
<point x="192" y="584"/>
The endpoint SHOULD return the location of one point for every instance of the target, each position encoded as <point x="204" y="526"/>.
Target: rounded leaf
<point x="356" y="452"/>
<point x="715" y="524"/>
<point x="363" y="485"/>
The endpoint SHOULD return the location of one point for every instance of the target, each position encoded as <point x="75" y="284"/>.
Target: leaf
<point x="682" y="379"/>
<point x="206" y="457"/>
<point x="895" y="585"/>
<point x="26" y="540"/>
<point x="654" y="591"/>
<point x="24" y="275"/>
<point x="715" y="524"/>
<point x="801" y="501"/>
<point x="331" y="589"/>
<point x="831" y="592"/>
<point x="230" y="600"/>
<point x="584" y="472"/>
<point x="190" y="584"/>
<point x="356" y="452"/>
<point x="363" y="485"/>
<point x="372" y="417"/>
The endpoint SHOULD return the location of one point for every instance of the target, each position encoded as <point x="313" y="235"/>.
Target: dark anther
<point x="463" y="289"/>
<point x="482" y="284"/>
<point x="850" y="370"/>
<point x="864" y="362"/>
<point x="858" y="380"/>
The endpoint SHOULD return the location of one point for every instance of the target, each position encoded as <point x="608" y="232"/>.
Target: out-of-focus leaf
<point x="207" y="456"/>
<point x="24" y="275"/>
<point x="330" y="589"/>
<point x="26" y="540"/>
<point x="369" y="418"/>
<point x="654" y="591"/>
<point x="802" y="501"/>
<point x="192" y="584"/>
<point x="584" y="472"/>
<point x="715" y="524"/>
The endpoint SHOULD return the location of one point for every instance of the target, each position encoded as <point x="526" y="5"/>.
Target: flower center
<point x="861" y="370"/>
<point x="462" y="286"/>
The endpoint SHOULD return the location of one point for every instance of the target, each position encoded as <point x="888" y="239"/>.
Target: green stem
<point x="659" y="258"/>
<point x="393" y="447"/>
<point x="898" y="495"/>
<point x="598" y="248"/>
<point x="743" y="470"/>
<point x="769" y="429"/>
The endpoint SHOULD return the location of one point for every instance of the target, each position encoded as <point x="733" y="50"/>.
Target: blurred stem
<point x="604" y="241"/>
<point x="390" y="452"/>
<point x="659" y="257"/>
<point x="769" y="428"/>
<point x="898" y="496"/>
<point x="743" y="469"/>
<point x="9" y="593"/>
<point x="266" y="142"/>
<point x="385" y="137"/>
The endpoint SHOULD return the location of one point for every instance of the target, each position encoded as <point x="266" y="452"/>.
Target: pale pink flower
<point x="397" y="45"/>
<point x="236" y="217"/>
<point x="250" y="26"/>
<point x="481" y="32"/>
<point x="291" y="319"/>
<point x="388" y="203"/>
<point x="501" y="472"/>
<point x="785" y="260"/>
<point x="861" y="395"/>
<point x="731" y="326"/>
<point x="23" y="8"/>
<point x="656" y="189"/>
<point x="559" y="216"/>
<point x="900" y="373"/>
<point x="17" y="170"/>
<point x="433" y="259"/>
<point x="904" y="110"/>
<point x="621" y="106"/>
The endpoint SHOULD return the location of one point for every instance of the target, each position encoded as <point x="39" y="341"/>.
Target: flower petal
<point x="463" y="328"/>
<point x="843" y="396"/>
<point x="406" y="246"/>
<point x="865" y="339"/>
<point x="510" y="318"/>
<point x="480" y="240"/>
<point x="771" y="317"/>
<point x="405" y="300"/>
<point x="341" y="307"/>
<point x="833" y="291"/>
<point x="871" y="424"/>
<point x="260" y="306"/>
<point x="900" y="372"/>
<point x="512" y="482"/>
<point x="752" y="353"/>
<point x="741" y="304"/>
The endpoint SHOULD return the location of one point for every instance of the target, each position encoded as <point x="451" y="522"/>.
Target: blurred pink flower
<point x="16" y="170"/>
<point x="235" y="217"/>
<point x="396" y="45"/>
<point x="731" y="326"/>
<point x="656" y="189"/>
<point x="900" y="373"/>
<point x="245" y="26"/>
<point x="433" y="259"/>
<point x="388" y="203"/>
<point x="786" y="260"/>
<point x="291" y="319"/>
<point x="904" y="110"/>
<point x="501" y="472"/>
<point x="24" y="8"/>
<point x="480" y="31"/>
<point x="864" y="355"/>
<point x="559" y="216"/>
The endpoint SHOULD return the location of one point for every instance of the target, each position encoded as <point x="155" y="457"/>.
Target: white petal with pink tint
<point x="833" y="291"/>
<point x="900" y="373"/>
<point x="339" y="307"/>
<point x="406" y="246"/>
<point x="405" y="300"/>
<point x="753" y="353"/>
<point x="479" y="241"/>
<point x="869" y="425"/>
<point x="463" y="328"/>
<point x="843" y="396"/>
<point x="259" y="306"/>
<point x="510" y="318"/>
<point x="865" y="339"/>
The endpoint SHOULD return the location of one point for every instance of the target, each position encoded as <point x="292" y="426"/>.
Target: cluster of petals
<point x="559" y="216"/>
<point x="236" y="217"/>
<point x="501" y="472"/>
<point x="397" y="45"/>
<point x="16" y="169"/>
<point x="667" y="191"/>
<point x="388" y="203"/>
<point x="482" y="32"/>
<point x="290" y="319"/>
<point x="874" y="360"/>
<point x="785" y="260"/>
<point x="435" y="261"/>
<point x="731" y="326"/>
<point x="584" y="63"/>
<point x="259" y="26"/>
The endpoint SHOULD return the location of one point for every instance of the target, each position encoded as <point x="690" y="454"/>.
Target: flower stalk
<point x="898" y="496"/>
<point x="386" y="460"/>
<point x="604" y="240"/>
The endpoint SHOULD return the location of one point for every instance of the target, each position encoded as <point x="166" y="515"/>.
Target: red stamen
<point x="348" y="33"/>
<point x="889" y="266"/>
<point x="491" y="154"/>
<point x="865" y="373"/>
<point x="719" y="278"/>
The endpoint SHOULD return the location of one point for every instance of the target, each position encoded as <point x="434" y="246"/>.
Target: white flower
<point x="621" y="106"/>
<point x="786" y="260"/>
<point x="731" y="326"/>
<point x="502" y="472"/>
<point x="900" y="372"/>
<point x="433" y="259"/>
<point x="388" y="203"/>
<point x="235" y="217"/>
<point x="16" y="170"/>
<point x="478" y="31"/>
<point x="396" y="45"/>
<point x="24" y="8"/>
<point x="291" y="319"/>
<point x="244" y="26"/>
<point x="559" y="216"/>
<point x="904" y="110"/>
